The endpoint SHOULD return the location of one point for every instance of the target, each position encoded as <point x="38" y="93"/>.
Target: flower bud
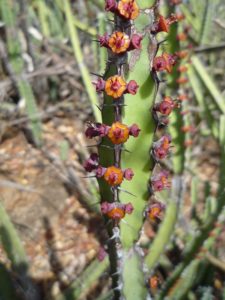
<point x="132" y="87"/>
<point x="101" y="254"/>
<point x="111" y="5"/>
<point x="128" y="174"/>
<point x="100" y="171"/>
<point x="134" y="130"/>
<point x="96" y="129"/>
<point x="92" y="163"/>
<point x="99" y="85"/>
<point x="129" y="208"/>
<point x="135" y="42"/>
<point x="104" y="40"/>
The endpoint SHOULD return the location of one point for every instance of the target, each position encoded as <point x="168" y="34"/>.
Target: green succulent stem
<point x="197" y="241"/>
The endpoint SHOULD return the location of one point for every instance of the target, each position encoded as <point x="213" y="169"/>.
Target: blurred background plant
<point x="50" y="228"/>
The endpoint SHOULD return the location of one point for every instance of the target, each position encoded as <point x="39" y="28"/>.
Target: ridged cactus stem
<point x="200" y="237"/>
<point x="115" y="165"/>
<point x="113" y="134"/>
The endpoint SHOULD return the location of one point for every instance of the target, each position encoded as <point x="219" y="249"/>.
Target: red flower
<point x="161" y="148"/>
<point x="128" y="9"/>
<point x="165" y="62"/>
<point x="119" y="42"/>
<point x="160" y="181"/>
<point x="92" y="163"/>
<point x="166" y="106"/>
<point x="116" y="210"/>
<point x="163" y="24"/>
<point x="155" y="210"/>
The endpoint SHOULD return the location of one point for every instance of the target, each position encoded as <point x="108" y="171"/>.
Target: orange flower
<point x="182" y="69"/>
<point x="165" y="62"/>
<point x="182" y="54"/>
<point x="128" y="9"/>
<point x="163" y="24"/>
<point x="154" y="212"/>
<point x="182" y="37"/>
<point x="166" y="142"/>
<point x="116" y="210"/>
<point x="119" y="42"/>
<point x="115" y="86"/>
<point x="118" y="133"/>
<point x="154" y="282"/>
<point x="116" y="213"/>
<point x="182" y="80"/>
<point x="113" y="175"/>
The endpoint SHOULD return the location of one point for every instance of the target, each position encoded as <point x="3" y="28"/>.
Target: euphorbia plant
<point x="130" y="109"/>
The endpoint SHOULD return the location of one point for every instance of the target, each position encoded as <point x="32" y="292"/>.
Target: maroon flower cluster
<point x="112" y="175"/>
<point x="164" y="62"/>
<point x="115" y="86"/>
<point x="118" y="133"/>
<point x="126" y="9"/>
<point x="119" y="42"/>
<point x="160" y="148"/>
<point x="161" y="111"/>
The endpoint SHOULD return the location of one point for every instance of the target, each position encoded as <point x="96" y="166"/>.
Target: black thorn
<point x="98" y="75"/>
<point x="162" y="42"/>
<point x="125" y="191"/>
<point x="99" y="108"/>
